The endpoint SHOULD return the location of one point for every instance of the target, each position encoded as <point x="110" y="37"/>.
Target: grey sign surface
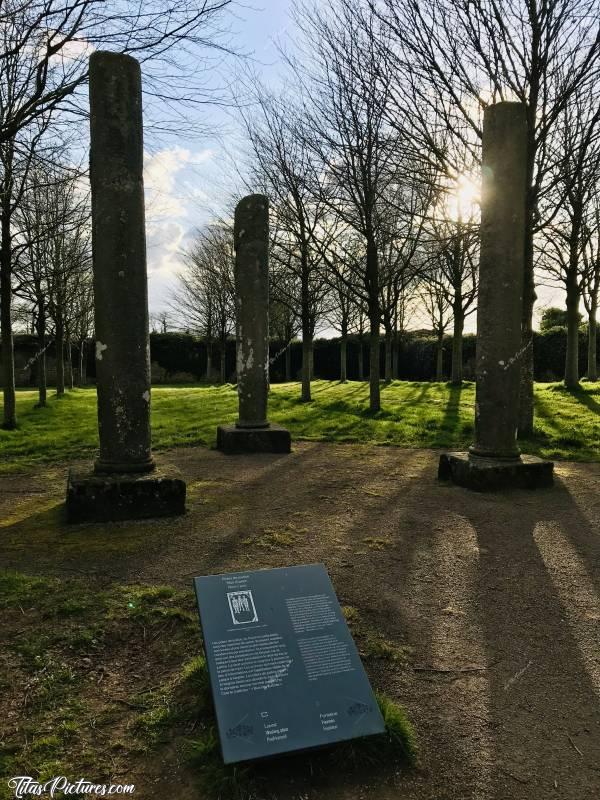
<point x="284" y="669"/>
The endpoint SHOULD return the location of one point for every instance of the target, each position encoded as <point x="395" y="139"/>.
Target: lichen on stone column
<point x="251" y="238"/>
<point x="119" y="264"/>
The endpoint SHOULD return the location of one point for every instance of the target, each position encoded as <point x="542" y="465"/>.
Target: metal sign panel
<point x="284" y="669"/>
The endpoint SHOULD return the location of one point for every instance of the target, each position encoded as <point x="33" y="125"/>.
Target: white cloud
<point x="160" y="181"/>
<point x="171" y="196"/>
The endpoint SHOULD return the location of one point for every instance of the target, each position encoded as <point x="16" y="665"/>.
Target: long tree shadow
<point x="403" y="601"/>
<point x="504" y="622"/>
<point x="582" y="536"/>
<point x="498" y="594"/>
<point x="585" y="398"/>
<point x="451" y="418"/>
<point x="543" y="685"/>
<point x="224" y="510"/>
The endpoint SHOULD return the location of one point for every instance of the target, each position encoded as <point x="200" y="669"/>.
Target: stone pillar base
<point x="273" y="439"/>
<point x="490" y="474"/>
<point x="120" y="496"/>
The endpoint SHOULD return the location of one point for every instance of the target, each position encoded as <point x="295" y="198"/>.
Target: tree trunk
<point x="305" y="395"/>
<point x="374" y="322"/>
<point x="223" y="365"/>
<point x="344" y="358"/>
<point x="60" y="358"/>
<point x="457" y="348"/>
<point x="208" y="362"/>
<point x="388" y="356"/>
<point x="573" y="297"/>
<point x="572" y="355"/>
<point x="69" y="363"/>
<point x="361" y="360"/>
<point x="395" y="357"/>
<point x="439" y="362"/>
<point x="374" y="369"/>
<point x="41" y="360"/>
<point x="288" y="363"/>
<point x="82" y="363"/>
<point x="8" y="356"/>
<point x="592" y="370"/>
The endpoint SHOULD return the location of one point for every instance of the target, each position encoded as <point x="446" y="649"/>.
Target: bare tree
<point x="68" y="259"/>
<point x="591" y="283"/>
<point x="342" y="311"/>
<point x="82" y="325"/>
<point x="455" y="243"/>
<point x="32" y="269"/>
<point x="17" y="157"/>
<point x="401" y="257"/>
<point x="44" y="49"/>
<point x="577" y="156"/>
<point x="53" y="263"/>
<point x="161" y="321"/>
<point x="453" y="57"/>
<point x="45" y="44"/>
<point x="284" y="322"/>
<point x="347" y="85"/>
<point x="437" y="307"/>
<point x="282" y="164"/>
<point x="204" y="300"/>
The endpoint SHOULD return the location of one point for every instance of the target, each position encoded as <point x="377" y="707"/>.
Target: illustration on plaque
<point x="241" y="605"/>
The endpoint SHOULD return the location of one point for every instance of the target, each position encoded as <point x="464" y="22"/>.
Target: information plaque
<point x="284" y="669"/>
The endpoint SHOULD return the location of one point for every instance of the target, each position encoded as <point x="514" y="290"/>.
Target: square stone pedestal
<point x="273" y="439"/>
<point x="489" y="474"/>
<point x="108" y="498"/>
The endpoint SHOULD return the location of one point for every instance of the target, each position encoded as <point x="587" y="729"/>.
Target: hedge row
<point x="180" y="353"/>
<point x="180" y="357"/>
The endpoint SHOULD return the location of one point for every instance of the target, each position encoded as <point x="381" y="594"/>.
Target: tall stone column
<point x="119" y="255"/>
<point x="124" y="483"/>
<point x="252" y="432"/>
<point x="501" y="271"/>
<point x="251" y="240"/>
<point x="494" y="460"/>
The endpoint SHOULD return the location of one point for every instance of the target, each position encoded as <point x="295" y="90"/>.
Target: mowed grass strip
<point x="413" y="414"/>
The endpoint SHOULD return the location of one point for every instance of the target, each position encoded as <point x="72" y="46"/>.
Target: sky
<point x="189" y="181"/>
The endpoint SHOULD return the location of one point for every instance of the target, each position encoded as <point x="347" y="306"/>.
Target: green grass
<point x="138" y="693"/>
<point x="413" y="415"/>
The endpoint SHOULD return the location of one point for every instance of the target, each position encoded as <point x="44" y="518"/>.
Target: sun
<point x="467" y="192"/>
<point x="463" y="199"/>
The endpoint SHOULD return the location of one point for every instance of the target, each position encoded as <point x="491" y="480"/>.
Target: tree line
<point x="45" y="227"/>
<point x="369" y="152"/>
<point x="369" y="149"/>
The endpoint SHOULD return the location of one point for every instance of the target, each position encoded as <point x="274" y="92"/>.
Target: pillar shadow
<point x="523" y="713"/>
<point x="543" y="688"/>
<point x="576" y="524"/>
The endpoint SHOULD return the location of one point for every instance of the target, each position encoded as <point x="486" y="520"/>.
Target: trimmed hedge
<point x="180" y="357"/>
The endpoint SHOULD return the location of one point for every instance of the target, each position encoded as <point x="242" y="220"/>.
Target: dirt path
<point x="497" y="596"/>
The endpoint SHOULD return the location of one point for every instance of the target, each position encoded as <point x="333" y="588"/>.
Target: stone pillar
<point x="251" y="241"/>
<point x="501" y="271"/>
<point x="120" y="486"/>
<point x="119" y="254"/>
<point x="252" y="432"/>
<point x="494" y="460"/>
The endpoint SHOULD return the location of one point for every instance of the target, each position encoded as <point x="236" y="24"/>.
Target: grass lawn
<point x="413" y="415"/>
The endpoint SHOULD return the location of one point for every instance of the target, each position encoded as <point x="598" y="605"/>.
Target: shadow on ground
<point x="493" y="599"/>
